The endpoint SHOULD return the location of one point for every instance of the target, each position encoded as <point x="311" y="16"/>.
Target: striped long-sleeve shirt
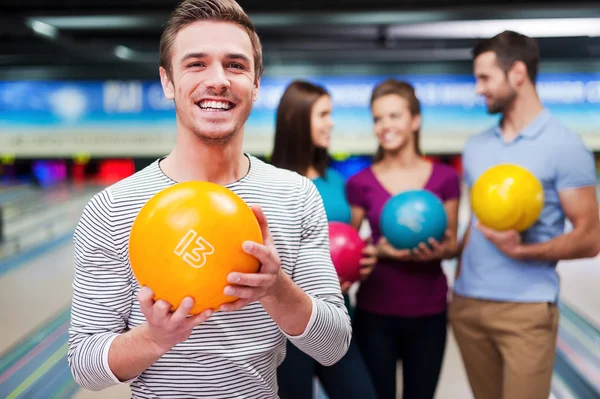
<point x="233" y="354"/>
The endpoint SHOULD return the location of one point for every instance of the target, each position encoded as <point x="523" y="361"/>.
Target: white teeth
<point x="388" y="136"/>
<point x="215" y="105"/>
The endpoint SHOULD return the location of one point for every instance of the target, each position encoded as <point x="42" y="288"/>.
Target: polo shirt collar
<point x="531" y="131"/>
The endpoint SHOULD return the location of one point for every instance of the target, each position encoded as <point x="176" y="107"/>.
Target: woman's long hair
<point x="293" y="148"/>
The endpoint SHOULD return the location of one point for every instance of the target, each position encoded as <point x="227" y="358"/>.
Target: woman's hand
<point x="369" y="259"/>
<point x="367" y="264"/>
<point x="435" y="250"/>
<point x="423" y="253"/>
<point x="386" y="250"/>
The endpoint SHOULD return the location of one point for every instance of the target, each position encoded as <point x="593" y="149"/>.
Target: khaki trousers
<point x="507" y="348"/>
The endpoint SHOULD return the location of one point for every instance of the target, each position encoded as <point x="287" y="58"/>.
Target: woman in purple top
<point x="401" y="306"/>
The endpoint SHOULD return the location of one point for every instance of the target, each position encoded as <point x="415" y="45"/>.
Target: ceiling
<point x="111" y="39"/>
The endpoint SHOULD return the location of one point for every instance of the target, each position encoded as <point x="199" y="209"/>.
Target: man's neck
<point x="520" y="114"/>
<point x="192" y="159"/>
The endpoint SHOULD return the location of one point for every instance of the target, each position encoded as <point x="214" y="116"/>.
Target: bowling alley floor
<point x="35" y="293"/>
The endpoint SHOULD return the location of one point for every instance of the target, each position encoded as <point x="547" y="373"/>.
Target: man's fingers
<point x="484" y="229"/>
<point x="198" y="319"/>
<point x="263" y="223"/>
<point x="182" y="311"/>
<point x="236" y="305"/>
<point x="244" y="292"/>
<point x="261" y="252"/>
<point x="145" y="297"/>
<point x="160" y="311"/>
<point x="249" y="279"/>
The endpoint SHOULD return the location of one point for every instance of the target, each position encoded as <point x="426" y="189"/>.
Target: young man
<point x="504" y="309"/>
<point x="210" y="66"/>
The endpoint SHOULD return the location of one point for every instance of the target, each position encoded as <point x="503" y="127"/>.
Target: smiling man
<point x="504" y="310"/>
<point x="210" y="66"/>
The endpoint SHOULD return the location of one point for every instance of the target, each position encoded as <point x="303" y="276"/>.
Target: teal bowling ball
<point x="413" y="217"/>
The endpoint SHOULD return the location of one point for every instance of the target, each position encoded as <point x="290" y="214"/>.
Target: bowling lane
<point x="37" y="282"/>
<point x="34" y="292"/>
<point x="35" y="328"/>
<point x="16" y="192"/>
<point x="35" y="297"/>
<point x="34" y="200"/>
<point x="52" y="214"/>
<point x="580" y="280"/>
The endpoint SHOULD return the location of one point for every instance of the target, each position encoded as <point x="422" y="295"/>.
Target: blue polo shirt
<point x="560" y="160"/>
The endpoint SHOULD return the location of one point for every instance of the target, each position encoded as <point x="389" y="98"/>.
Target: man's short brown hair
<point x="509" y="48"/>
<point x="190" y="11"/>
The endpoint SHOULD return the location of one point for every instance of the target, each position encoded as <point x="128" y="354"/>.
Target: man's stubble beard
<point x="501" y="104"/>
<point x="205" y="139"/>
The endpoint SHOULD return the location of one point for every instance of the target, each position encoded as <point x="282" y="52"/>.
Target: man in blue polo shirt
<point x="503" y="311"/>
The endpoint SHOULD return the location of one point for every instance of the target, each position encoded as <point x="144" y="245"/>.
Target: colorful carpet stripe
<point x="36" y="367"/>
<point x="578" y="346"/>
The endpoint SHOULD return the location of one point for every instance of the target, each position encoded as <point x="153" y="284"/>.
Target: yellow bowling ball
<point x="507" y="197"/>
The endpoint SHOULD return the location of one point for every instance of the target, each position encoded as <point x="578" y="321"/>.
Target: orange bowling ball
<point x="187" y="239"/>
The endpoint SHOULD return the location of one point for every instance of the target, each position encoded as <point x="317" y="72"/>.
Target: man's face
<point x="212" y="81"/>
<point x="492" y="83"/>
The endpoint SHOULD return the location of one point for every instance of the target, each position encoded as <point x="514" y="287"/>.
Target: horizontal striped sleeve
<point x="101" y="296"/>
<point x="329" y="331"/>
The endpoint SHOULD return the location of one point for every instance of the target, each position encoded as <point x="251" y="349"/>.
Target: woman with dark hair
<point x="401" y="307"/>
<point x="302" y="136"/>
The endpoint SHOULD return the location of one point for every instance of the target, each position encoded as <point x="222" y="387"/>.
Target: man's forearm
<point x="131" y="353"/>
<point x="573" y="245"/>
<point x="290" y="307"/>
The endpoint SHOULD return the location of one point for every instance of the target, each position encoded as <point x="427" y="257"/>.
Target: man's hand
<point x="165" y="328"/>
<point x="508" y="242"/>
<point x="139" y="348"/>
<point x="251" y="287"/>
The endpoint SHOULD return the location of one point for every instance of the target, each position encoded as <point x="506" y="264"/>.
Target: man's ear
<point x="167" y="85"/>
<point x="256" y="90"/>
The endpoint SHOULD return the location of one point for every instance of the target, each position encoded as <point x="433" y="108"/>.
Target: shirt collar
<point x="531" y="131"/>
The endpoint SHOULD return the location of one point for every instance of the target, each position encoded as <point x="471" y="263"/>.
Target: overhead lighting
<point x="124" y="53"/>
<point x="101" y="22"/>
<point x="140" y="57"/>
<point x="156" y="20"/>
<point x="552" y="27"/>
<point x="419" y="20"/>
<point x="43" y="29"/>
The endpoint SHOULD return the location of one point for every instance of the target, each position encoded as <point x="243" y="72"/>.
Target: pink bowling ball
<point x="345" y="246"/>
